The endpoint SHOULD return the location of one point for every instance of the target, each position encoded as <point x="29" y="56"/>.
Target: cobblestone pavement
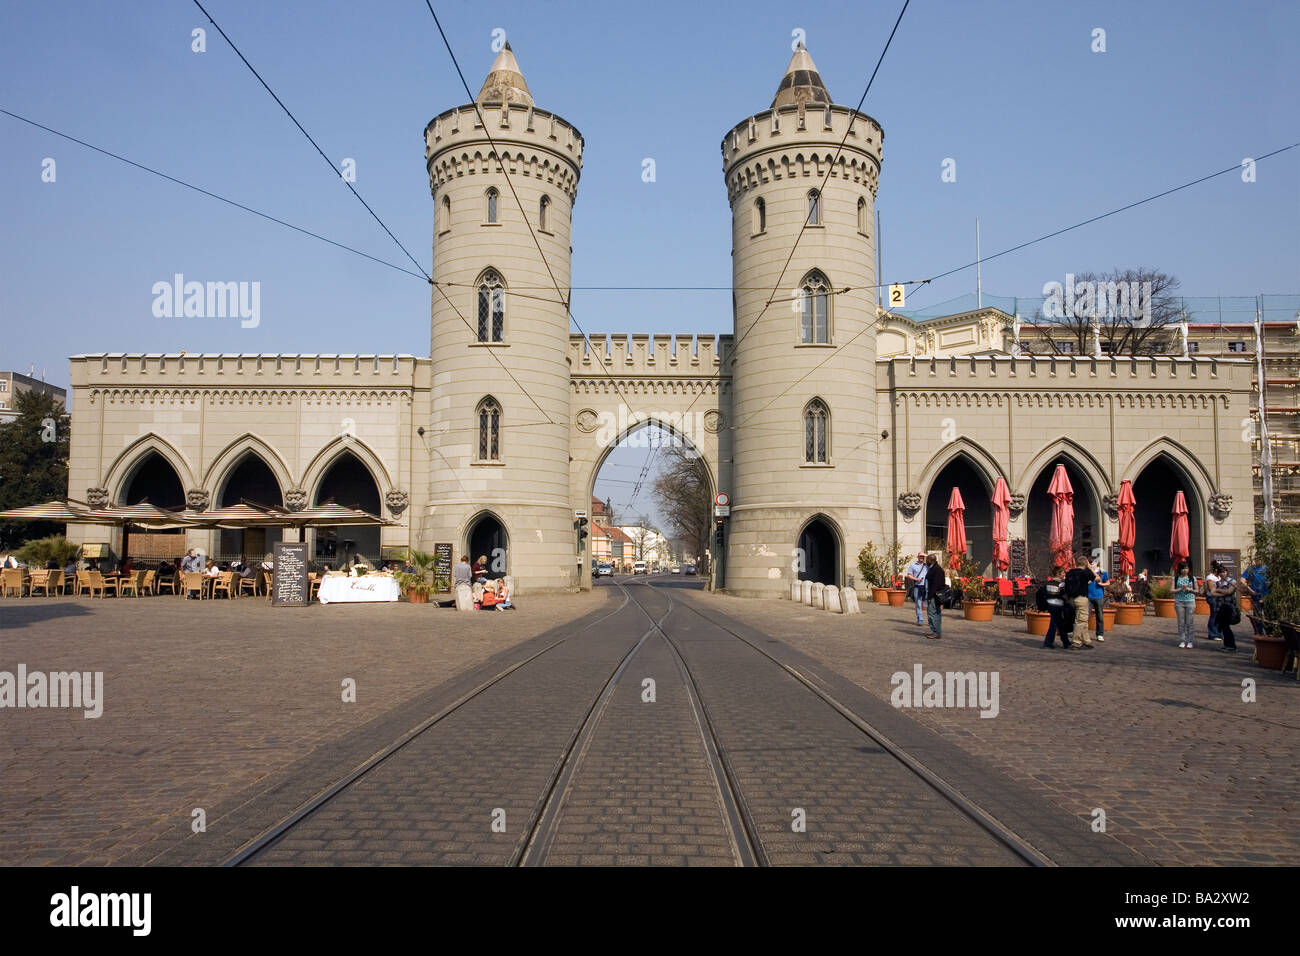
<point x="204" y="700"/>
<point x="1160" y="738"/>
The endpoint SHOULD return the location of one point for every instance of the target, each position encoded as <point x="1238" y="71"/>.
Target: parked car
<point x="640" y="568"/>
<point x="689" y="569"/>
<point x="677" y="569"/>
<point x="604" y="569"/>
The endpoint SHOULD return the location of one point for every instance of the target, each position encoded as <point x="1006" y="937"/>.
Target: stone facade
<point x="831" y="422"/>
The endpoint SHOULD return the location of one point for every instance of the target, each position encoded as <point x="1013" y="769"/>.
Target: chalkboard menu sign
<point x="1019" y="558"/>
<point x="442" y="562"/>
<point x="1230" y="558"/>
<point x="290" y="588"/>
<point x="1116" y="558"/>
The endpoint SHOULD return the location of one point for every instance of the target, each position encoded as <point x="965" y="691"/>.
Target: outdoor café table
<point x="338" y="589"/>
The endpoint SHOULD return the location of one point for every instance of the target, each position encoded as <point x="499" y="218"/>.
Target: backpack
<point x="1075" y="583"/>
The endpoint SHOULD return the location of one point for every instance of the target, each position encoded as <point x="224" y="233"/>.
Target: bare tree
<point x="1122" y="312"/>
<point x="683" y="490"/>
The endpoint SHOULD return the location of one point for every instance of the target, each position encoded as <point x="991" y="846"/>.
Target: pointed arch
<point x="228" y="459"/>
<point x="819" y="550"/>
<point x="125" y="465"/>
<point x="490" y="305"/>
<point x="985" y="463"/>
<point x="1182" y="458"/>
<point x="816" y="432"/>
<point x="816" y="323"/>
<point x="324" y="460"/>
<point x="814" y="207"/>
<point x="487" y="415"/>
<point x="1071" y="449"/>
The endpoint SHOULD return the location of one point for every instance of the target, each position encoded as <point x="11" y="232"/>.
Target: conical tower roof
<point x="504" y="83"/>
<point x="801" y="83"/>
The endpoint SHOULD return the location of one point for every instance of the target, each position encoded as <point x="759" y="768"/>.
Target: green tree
<point x="684" y="499"/>
<point x="33" y="463"/>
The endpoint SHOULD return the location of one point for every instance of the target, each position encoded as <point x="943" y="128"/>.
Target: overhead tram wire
<point x="428" y="278"/>
<point x="328" y="162"/>
<point x="478" y="112"/>
<point x="1016" y="248"/>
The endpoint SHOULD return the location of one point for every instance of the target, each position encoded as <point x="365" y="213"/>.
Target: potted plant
<point x="1162" y="593"/>
<point x="419" y="582"/>
<point x="37" y="552"/>
<point x="1277" y="548"/>
<point x="1129" y="612"/>
<point x="978" y="597"/>
<point x="897" y="597"/>
<point x="877" y="570"/>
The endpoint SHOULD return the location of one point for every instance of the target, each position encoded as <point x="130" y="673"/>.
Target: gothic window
<point x="816" y="431"/>
<point x="543" y="206"/>
<point x="814" y="208"/>
<point x="446" y="214"/>
<point x="491" y="307"/>
<point x="815" y="310"/>
<point x="492" y="197"/>
<point x="489" y="430"/>
<point x="862" y="217"/>
<point x="760" y="215"/>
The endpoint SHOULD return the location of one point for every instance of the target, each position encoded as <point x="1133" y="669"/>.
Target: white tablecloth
<point x="369" y="587"/>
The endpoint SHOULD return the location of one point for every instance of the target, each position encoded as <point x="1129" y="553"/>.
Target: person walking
<point x="462" y="573"/>
<point x="1051" y="598"/>
<point x="1077" y="580"/>
<point x="1256" y="580"/>
<point x="915" y="578"/>
<point x="1229" y="613"/>
<point x="1097" y="597"/>
<point x="1185" y="603"/>
<point x="1210" y="586"/>
<point x="935" y="583"/>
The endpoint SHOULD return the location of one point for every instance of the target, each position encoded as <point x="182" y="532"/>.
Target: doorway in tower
<point x="487" y="539"/>
<point x="819" y="549"/>
<point x="1038" y="508"/>
<point x="1155" y="489"/>
<point x="348" y="482"/>
<point x="153" y="480"/>
<point x="976" y="494"/>
<point x="250" y="480"/>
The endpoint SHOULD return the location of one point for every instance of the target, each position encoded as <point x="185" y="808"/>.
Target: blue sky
<point x="1044" y="133"/>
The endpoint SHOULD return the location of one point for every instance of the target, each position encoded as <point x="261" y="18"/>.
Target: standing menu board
<point x="1019" y="558"/>
<point x="1230" y="558"/>
<point x="1116" y="559"/>
<point x="290" y="587"/>
<point x="442" y="562"/>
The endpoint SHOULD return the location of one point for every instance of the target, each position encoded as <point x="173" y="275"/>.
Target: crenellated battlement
<point x="797" y="141"/>
<point x="533" y="142"/>
<point x="203" y="367"/>
<point x="642" y="354"/>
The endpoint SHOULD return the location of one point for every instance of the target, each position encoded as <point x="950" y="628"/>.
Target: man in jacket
<point x="935" y="582"/>
<point x="915" y="578"/>
<point x="1077" y="580"/>
<point x="1051" y="598"/>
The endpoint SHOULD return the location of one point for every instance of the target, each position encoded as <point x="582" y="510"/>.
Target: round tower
<point x="804" y="496"/>
<point x="499" y="435"/>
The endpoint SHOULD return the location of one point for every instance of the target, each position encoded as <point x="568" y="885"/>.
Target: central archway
<point x="966" y="476"/>
<point x="1087" y="515"/>
<point x="819" y="548"/>
<point x="348" y="482"/>
<point x="153" y="479"/>
<point x="251" y="479"/>
<point x="486" y="537"/>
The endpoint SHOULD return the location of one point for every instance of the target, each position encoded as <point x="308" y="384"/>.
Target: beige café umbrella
<point x="62" y="512"/>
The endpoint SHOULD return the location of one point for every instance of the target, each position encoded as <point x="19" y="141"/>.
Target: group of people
<point x="487" y="594"/>
<point x="1070" y="597"/>
<point x="929" y="584"/>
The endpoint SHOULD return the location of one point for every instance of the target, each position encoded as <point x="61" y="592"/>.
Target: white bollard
<point x="850" y="599"/>
<point x="805" y="593"/>
<point x="796" y="591"/>
<point x="831" y="599"/>
<point x="464" y="598"/>
<point x="817" y="590"/>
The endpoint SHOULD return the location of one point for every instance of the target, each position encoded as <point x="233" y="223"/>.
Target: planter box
<point x="1107" y="617"/>
<point x="1269" y="651"/>
<point x="415" y="597"/>
<point x="1202" y="605"/>
<point x="1037" y="622"/>
<point x="1247" y="605"/>
<point x="897" y="597"/>
<point x="1129" y="614"/>
<point x="1165" y="607"/>
<point x="880" y="595"/>
<point x="978" y="610"/>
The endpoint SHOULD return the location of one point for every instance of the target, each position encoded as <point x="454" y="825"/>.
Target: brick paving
<point x="204" y="700"/>
<point x="1156" y="736"/>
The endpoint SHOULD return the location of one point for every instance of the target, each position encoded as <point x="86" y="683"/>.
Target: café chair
<point x="249" y="584"/>
<point x="113" y="584"/>
<point x="128" y="582"/>
<point x="50" y="581"/>
<point x="172" y="583"/>
<point x="11" y="579"/>
<point x="149" y="583"/>
<point x="91" y="581"/>
<point x="193" y="581"/>
<point x="223" y="583"/>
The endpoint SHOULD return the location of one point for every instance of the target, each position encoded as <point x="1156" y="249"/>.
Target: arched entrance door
<point x="250" y="480"/>
<point x="155" y="480"/>
<point x="819" y="546"/>
<point x="1087" y="516"/>
<point x="962" y="474"/>
<point x="487" y="539"/>
<point x="349" y="483"/>
<point x="1155" y="488"/>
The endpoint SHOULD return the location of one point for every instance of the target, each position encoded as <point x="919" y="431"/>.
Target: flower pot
<point x="897" y="597"/>
<point x="1129" y="614"/>
<point x="1202" y="605"/>
<point x="417" y="597"/>
<point x="1247" y="605"/>
<point x="1107" y="618"/>
<point x="978" y="610"/>
<point x="1270" y="651"/>
<point x="880" y="595"/>
<point x="1037" y="622"/>
<point x="1165" y="607"/>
